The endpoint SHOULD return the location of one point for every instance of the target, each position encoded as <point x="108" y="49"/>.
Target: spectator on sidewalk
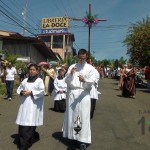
<point x="10" y="73"/>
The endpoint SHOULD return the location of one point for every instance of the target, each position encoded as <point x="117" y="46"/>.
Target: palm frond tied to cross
<point x="89" y="20"/>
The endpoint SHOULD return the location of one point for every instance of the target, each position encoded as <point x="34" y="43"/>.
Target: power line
<point x="70" y="7"/>
<point x="7" y="22"/>
<point x="57" y="7"/>
<point x="32" y="18"/>
<point x="24" y="16"/>
<point x="66" y="12"/>
<point x="16" y="22"/>
<point x="14" y="18"/>
<point x="76" y="45"/>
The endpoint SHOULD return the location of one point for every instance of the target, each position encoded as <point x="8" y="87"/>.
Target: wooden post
<point x="89" y="29"/>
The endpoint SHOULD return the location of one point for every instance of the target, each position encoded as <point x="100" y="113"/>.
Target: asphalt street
<point x="119" y="123"/>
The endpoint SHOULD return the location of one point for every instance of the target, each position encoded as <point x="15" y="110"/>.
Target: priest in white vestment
<point x="79" y="79"/>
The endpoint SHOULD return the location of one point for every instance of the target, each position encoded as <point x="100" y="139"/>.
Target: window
<point x="47" y="40"/>
<point x="58" y="41"/>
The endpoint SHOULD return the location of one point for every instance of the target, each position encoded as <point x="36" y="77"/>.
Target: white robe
<point x="31" y="107"/>
<point x="59" y="85"/>
<point x="79" y="103"/>
<point x="94" y="92"/>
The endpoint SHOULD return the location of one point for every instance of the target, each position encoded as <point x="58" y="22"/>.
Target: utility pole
<point x="89" y="20"/>
<point x="67" y="45"/>
<point x="24" y="13"/>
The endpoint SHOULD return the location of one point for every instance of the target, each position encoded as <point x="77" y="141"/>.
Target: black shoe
<point x="23" y="149"/>
<point x="82" y="146"/>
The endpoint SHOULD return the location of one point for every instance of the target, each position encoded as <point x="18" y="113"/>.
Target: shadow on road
<point x="143" y="90"/>
<point x="52" y="109"/>
<point x="115" y="83"/>
<point x="117" y="89"/>
<point x="16" y="139"/>
<point x="71" y="145"/>
<point x="123" y="97"/>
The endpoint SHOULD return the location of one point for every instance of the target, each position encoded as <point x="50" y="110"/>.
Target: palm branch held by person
<point x="49" y="79"/>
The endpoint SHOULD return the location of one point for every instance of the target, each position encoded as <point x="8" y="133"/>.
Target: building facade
<point x="28" y="47"/>
<point x="55" y="34"/>
<point x="59" y="43"/>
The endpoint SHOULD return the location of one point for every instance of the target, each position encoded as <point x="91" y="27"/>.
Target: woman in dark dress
<point x="129" y="88"/>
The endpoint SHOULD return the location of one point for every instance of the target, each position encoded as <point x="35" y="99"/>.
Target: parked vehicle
<point x="139" y="79"/>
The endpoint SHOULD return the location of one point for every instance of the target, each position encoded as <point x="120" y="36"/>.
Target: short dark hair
<point x="82" y="51"/>
<point x="60" y="70"/>
<point x="33" y="65"/>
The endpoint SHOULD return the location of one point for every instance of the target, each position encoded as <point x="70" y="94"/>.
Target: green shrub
<point x="3" y="88"/>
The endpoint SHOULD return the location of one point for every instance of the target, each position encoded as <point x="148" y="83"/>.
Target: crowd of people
<point x="74" y="90"/>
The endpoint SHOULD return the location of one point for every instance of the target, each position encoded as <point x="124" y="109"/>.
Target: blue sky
<point x="106" y="37"/>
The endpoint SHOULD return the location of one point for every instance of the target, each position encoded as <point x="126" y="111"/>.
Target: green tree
<point x="122" y="61"/>
<point x="138" y="42"/>
<point x="13" y="59"/>
<point x="9" y="57"/>
<point x="116" y="63"/>
<point x="105" y="62"/>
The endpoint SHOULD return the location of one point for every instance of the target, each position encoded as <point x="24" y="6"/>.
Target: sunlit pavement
<point x="119" y="123"/>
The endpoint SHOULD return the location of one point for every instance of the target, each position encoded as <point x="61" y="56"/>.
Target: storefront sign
<point x="53" y="31"/>
<point x="57" y="22"/>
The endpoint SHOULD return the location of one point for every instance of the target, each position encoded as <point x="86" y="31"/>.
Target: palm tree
<point x="138" y="42"/>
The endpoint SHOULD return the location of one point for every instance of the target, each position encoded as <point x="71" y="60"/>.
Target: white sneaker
<point x="9" y="98"/>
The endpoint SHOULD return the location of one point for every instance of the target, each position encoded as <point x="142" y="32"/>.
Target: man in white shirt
<point x="10" y="77"/>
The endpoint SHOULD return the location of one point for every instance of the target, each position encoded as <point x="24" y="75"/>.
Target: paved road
<point x="114" y="126"/>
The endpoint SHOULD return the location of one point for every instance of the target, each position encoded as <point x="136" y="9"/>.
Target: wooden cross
<point x="89" y="27"/>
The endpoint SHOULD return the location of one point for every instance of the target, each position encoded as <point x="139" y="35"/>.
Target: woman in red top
<point x="147" y="73"/>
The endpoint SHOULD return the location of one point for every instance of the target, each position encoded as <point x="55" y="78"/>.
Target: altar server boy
<point x="30" y="114"/>
<point x="60" y="89"/>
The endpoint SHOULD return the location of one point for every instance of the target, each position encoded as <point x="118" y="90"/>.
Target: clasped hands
<point x="25" y="92"/>
<point x="81" y="78"/>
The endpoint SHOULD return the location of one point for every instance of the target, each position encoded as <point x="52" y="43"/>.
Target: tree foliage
<point x="13" y="59"/>
<point x="9" y="57"/>
<point x="138" y="42"/>
<point x="114" y="63"/>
